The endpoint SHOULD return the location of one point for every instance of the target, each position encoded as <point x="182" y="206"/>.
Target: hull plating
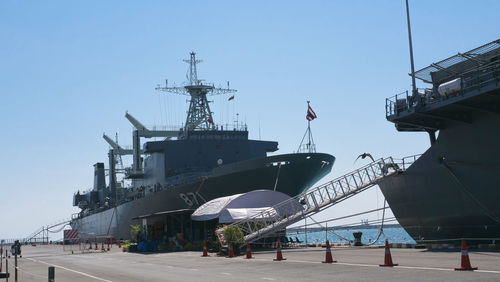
<point x="297" y="172"/>
<point x="452" y="190"/>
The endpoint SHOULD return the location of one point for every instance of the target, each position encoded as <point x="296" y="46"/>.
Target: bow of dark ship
<point x="451" y="190"/>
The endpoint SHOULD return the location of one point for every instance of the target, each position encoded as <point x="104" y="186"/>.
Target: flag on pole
<point x="231" y="98"/>
<point x="310" y="114"/>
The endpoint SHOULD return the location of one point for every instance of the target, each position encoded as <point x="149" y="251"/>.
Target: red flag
<point x="310" y="114"/>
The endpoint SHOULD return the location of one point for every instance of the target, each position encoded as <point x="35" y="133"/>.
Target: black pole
<point x="414" y="86"/>
<point x="308" y="131"/>
<point x="52" y="274"/>
<point x="15" y="268"/>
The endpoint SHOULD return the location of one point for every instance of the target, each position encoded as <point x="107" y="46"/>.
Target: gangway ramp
<point x="316" y="199"/>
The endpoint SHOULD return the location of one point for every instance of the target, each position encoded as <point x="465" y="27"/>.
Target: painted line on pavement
<point x="400" y="266"/>
<point x="72" y="270"/>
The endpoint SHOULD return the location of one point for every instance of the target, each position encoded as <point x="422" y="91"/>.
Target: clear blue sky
<point x="70" y="69"/>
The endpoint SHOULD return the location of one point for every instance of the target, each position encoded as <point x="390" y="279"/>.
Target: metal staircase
<point x="317" y="199"/>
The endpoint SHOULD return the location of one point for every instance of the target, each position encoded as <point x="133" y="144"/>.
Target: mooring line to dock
<point x="71" y="270"/>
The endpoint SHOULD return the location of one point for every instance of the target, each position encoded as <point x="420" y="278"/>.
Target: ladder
<point x="316" y="199"/>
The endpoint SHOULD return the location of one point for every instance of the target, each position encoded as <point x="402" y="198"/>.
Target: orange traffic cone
<point x="102" y="246"/>
<point x="230" y="251"/>
<point x="465" y="263"/>
<point x="388" y="257"/>
<point x="249" y="251"/>
<point x="108" y="247"/>
<point x="279" y="256"/>
<point x="205" y="252"/>
<point x="328" y="256"/>
<point x="95" y="246"/>
<point x="90" y="245"/>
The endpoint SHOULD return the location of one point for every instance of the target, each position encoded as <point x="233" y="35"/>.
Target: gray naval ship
<point x="169" y="179"/>
<point x="453" y="189"/>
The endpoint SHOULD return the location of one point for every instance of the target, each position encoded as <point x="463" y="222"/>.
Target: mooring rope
<point x="381" y="226"/>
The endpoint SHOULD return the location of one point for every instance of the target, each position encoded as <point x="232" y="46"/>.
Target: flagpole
<point x="309" y="131"/>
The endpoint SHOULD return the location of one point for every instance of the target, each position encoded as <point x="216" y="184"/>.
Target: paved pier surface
<point x="301" y="265"/>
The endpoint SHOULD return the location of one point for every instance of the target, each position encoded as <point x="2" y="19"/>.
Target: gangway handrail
<point x="45" y="228"/>
<point x="316" y="199"/>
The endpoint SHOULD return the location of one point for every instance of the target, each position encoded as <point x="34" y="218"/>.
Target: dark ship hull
<point x="452" y="190"/>
<point x="291" y="173"/>
<point x="456" y="197"/>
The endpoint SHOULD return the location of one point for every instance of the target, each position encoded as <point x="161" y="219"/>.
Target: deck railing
<point x="470" y="81"/>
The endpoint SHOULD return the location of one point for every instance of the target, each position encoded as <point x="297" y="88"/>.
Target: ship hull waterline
<point x="290" y="173"/>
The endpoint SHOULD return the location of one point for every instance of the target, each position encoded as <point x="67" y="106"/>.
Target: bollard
<point x="52" y="274"/>
<point x="7" y="269"/>
<point x="15" y="268"/>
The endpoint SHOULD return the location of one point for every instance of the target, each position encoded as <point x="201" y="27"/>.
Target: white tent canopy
<point x="232" y="215"/>
<point x="240" y="206"/>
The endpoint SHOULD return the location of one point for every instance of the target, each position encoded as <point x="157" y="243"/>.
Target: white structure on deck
<point x="242" y="206"/>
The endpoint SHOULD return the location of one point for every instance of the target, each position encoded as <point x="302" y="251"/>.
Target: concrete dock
<point x="354" y="264"/>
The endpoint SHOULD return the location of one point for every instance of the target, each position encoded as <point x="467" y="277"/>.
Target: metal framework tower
<point x="199" y="116"/>
<point x="310" y="146"/>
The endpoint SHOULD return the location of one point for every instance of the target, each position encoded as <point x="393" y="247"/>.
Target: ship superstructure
<point x="196" y="163"/>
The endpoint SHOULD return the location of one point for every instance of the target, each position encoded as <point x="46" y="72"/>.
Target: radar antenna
<point x="199" y="116"/>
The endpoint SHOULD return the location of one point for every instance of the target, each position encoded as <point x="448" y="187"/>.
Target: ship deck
<point x="302" y="264"/>
<point x="476" y="79"/>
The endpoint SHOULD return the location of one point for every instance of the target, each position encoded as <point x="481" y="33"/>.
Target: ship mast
<point x="199" y="116"/>
<point x="308" y="147"/>
<point x="414" y="92"/>
<point x="414" y="86"/>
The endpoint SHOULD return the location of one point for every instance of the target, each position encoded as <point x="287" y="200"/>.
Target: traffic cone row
<point x="388" y="257"/>
<point x="205" y="252"/>
<point x="465" y="262"/>
<point x="328" y="256"/>
<point x="249" y="251"/>
<point x="279" y="255"/>
<point x="230" y="251"/>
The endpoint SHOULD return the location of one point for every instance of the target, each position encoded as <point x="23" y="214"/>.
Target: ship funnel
<point x="99" y="180"/>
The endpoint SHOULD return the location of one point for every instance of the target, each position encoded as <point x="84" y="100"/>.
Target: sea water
<point x="393" y="234"/>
